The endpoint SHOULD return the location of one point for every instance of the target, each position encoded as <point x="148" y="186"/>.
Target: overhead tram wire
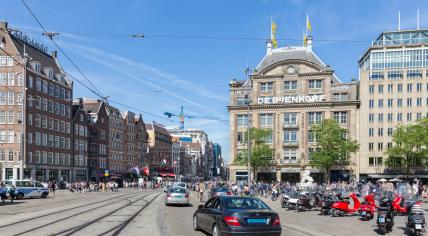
<point x="50" y="36"/>
<point x="86" y="86"/>
<point x="207" y="37"/>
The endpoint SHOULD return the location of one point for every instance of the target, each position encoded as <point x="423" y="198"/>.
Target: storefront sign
<point x="291" y="99"/>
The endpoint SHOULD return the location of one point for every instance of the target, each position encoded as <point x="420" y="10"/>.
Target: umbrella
<point x="395" y="180"/>
<point x="382" y="180"/>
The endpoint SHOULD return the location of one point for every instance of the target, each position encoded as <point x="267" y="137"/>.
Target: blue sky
<point x="195" y="72"/>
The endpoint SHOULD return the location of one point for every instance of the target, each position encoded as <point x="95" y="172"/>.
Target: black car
<point x="232" y="215"/>
<point x="220" y="191"/>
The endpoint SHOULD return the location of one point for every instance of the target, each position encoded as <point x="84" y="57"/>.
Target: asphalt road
<point x="137" y="212"/>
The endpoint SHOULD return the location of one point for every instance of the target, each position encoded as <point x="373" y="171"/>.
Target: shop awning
<point x="166" y="174"/>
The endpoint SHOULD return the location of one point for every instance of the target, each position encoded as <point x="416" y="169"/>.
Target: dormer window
<point x="49" y="72"/>
<point x="36" y="66"/>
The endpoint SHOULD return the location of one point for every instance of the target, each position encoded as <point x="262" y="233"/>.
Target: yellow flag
<point x="304" y="39"/>
<point x="308" y="24"/>
<point x="272" y="34"/>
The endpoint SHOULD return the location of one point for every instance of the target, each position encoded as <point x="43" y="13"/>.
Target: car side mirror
<point x="200" y="206"/>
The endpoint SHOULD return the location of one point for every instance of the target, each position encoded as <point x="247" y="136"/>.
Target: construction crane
<point x="181" y="117"/>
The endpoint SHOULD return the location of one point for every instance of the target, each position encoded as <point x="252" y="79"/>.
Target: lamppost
<point x="248" y="102"/>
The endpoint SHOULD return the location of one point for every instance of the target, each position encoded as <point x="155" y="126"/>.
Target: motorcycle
<point x="307" y="201"/>
<point x="367" y="208"/>
<point x="292" y="201"/>
<point x="327" y="201"/>
<point x="385" y="216"/>
<point x="342" y="208"/>
<point x="415" y="224"/>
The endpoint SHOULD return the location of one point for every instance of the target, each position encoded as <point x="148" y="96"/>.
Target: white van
<point x="27" y="188"/>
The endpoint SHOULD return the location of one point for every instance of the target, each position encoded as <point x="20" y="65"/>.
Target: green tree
<point x="261" y="153"/>
<point x="410" y="147"/>
<point x="332" y="148"/>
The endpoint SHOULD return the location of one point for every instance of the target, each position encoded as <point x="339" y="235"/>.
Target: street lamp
<point x="248" y="102"/>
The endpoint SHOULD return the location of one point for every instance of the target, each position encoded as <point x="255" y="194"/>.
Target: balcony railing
<point x="290" y="125"/>
<point x="290" y="161"/>
<point x="291" y="143"/>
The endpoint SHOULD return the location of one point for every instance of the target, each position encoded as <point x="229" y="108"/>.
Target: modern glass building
<point x="393" y="91"/>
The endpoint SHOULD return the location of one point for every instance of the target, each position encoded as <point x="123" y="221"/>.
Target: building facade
<point x="80" y="140"/>
<point x="160" y="144"/>
<point x="37" y="97"/>
<point x="394" y="91"/>
<point x="290" y="90"/>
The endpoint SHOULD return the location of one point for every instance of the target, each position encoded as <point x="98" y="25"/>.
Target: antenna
<point x="399" y="21"/>
<point x="417" y="20"/>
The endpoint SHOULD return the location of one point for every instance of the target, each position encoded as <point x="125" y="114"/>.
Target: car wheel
<point x="216" y="231"/>
<point x="196" y="223"/>
<point x="44" y="195"/>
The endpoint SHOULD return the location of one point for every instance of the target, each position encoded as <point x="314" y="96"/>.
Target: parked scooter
<point x="415" y="224"/>
<point x="385" y="216"/>
<point x="308" y="201"/>
<point x="367" y="208"/>
<point x="292" y="201"/>
<point x="342" y="208"/>
<point x="327" y="201"/>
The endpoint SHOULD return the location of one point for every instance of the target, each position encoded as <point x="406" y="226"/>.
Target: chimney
<point x="3" y="25"/>
<point x="54" y="54"/>
<point x="309" y="43"/>
<point x="269" y="47"/>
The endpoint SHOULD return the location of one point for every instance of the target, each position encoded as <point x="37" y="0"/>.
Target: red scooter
<point x="367" y="208"/>
<point x="401" y="207"/>
<point x="341" y="208"/>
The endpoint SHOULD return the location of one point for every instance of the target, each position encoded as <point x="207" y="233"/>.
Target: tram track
<point x="121" y="197"/>
<point x="117" y="229"/>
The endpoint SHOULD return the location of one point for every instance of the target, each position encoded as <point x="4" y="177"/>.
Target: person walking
<point x="201" y="190"/>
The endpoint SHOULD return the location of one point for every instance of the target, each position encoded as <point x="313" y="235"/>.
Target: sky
<point x="192" y="48"/>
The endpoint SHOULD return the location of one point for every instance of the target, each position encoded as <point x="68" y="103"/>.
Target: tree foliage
<point x="410" y="148"/>
<point x="332" y="147"/>
<point x="260" y="154"/>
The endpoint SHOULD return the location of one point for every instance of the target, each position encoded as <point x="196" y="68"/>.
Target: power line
<point x="50" y="36"/>
<point x="142" y="111"/>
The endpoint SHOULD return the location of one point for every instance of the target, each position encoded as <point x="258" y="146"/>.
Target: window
<point x="409" y="88"/>
<point x="380" y="103"/>
<point x="38" y="120"/>
<point x="290" y="154"/>
<point x="3" y="136"/>
<point x="380" y="131"/>
<point x="399" y="88"/>
<point x="240" y="137"/>
<point x="10" y="117"/>
<point x="314" y="117"/>
<point x="3" y="98"/>
<point x="290" y="136"/>
<point x="399" y="102"/>
<point x="390" y="131"/>
<point x="393" y="75"/>
<point x="264" y="87"/>
<point x="418" y="116"/>
<point x="414" y="74"/>
<point x="371" y="146"/>
<point x="418" y="102"/>
<point x="376" y="76"/>
<point x="3" y="79"/>
<point x="266" y="120"/>
<point x="290" y="119"/>
<point x="371" y="132"/>
<point x="390" y="102"/>
<point x="37" y="138"/>
<point x="409" y="102"/>
<point x="380" y="117"/>
<point x="38" y="84"/>
<point x="371" y="89"/>
<point x="30" y="138"/>
<point x="390" y="118"/>
<point x="399" y="117"/>
<point x="242" y="120"/>
<point x="2" y="117"/>
<point x="10" y="79"/>
<point x="340" y="117"/>
<point x="409" y="117"/>
<point x="419" y="87"/>
<point x="371" y="103"/>
<point x="10" y="155"/>
<point x="269" y="139"/>
<point x="10" y="98"/>
<point x="290" y="85"/>
<point x="315" y="84"/>
<point x="36" y="66"/>
<point x="380" y="88"/>
<point x="390" y="88"/>
<point x="375" y="161"/>
<point x="30" y="119"/>
<point x="340" y="96"/>
<point x="380" y="146"/>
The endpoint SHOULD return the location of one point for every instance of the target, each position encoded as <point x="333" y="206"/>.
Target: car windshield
<point x="177" y="190"/>
<point x="220" y="189"/>
<point x="244" y="203"/>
